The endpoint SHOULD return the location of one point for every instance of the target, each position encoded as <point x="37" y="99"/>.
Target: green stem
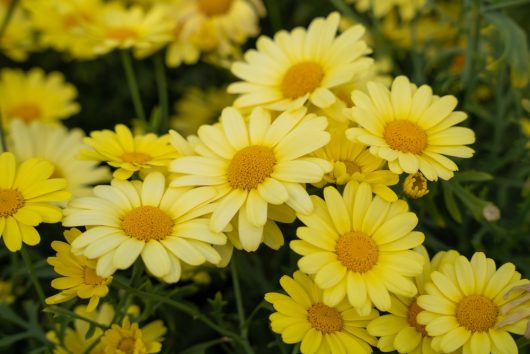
<point x="161" y="84"/>
<point x="240" y="309"/>
<point x="133" y="84"/>
<point x="274" y="14"/>
<point x="346" y="10"/>
<point x="33" y="276"/>
<point x="296" y="349"/>
<point x="523" y="342"/>
<point x="70" y="314"/>
<point x="468" y="75"/>
<point x="3" y="142"/>
<point x="505" y="4"/>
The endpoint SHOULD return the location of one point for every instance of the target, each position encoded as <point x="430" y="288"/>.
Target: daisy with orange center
<point x="410" y="128"/>
<point x="255" y="163"/>
<point x="300" y="66"/>
<point x="130" y="338"/>
<point x="130" y="219"/>
<point x="462" y="306"/>
<point x="359" y="246"/>
<point x="303" y="317"/>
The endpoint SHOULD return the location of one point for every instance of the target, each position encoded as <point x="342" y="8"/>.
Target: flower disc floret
<point x="11" y="200"/>
<point x="147" y="223"/>
<point x="214" y="7"/>
<point x="250" y="167"/>
<point x="301" y="78"/>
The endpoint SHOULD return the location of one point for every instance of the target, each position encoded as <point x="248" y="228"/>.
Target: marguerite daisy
<point x="129" y="219"/>
<point x="254" y="164"/>
<point x="359" y="246"/>
<point x="379" y="8"/>
<point x="411" y="128"/>
<point x="130" y="338"/>
<point x="300" y="66"/>
<point x="302" y="316"/>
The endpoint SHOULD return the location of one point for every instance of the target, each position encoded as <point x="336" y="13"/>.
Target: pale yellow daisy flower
<point x="300" y="67"/>
<point x="128" y="153"/>
<point x="379" y="8"/>
<point x="411" y="128"/>
<point x="359" y="247"/>
<point x="18" y="38"/>
<point x="130" y="338"/>
<point x="254" y="163"/>
<point x="163" y="225"/>
<point x="35" y="96"/>
<point x="302" y="316"/>
<point x="462" y="306"/>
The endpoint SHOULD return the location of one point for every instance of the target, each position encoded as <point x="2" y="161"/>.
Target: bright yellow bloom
<point x="62" y="24"/>
<point x="302" y="316"/>
<point x="253" y="163"/>
<point x="379" y="8"/>
<point x="198" y="107"/>
<point x="215" y="27"/>
<point x="353" y="162"/>
<point x="79" y="278"/>
<point x="117" y="27"/>
<point x="129" y="153"/>
<point x="17" y="39"/>
<point x="35" y="96"/>
<point x="400" y="330"/>
<point x="56" y="144"/>
<point x="410" y="128"/>
<point x="415" y="185"/>
<point x="462" y="306"/>
<point x="300" y="66"/>
<point x="26" y="197"/>
<point x="130" y="338"/>
<point x="359" y="246"/>
<point x="130" y="219"/>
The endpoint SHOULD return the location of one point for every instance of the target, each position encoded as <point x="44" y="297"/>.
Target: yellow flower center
<point x="121" y="33"/>
<point x="10" y="201"/>
<point x="135" y="157"/>
<point x="476" y="313"/>
<point x="324" y="318"/>
<point x="351" y="167"/>
<point x="301" y="78"/>
<point x="91" y="278"/>
<point x="214" y="7"/>
<point x="357" y="252"/>
<point x="414" y="309"/>
<point x="147" y="223"/>
<point x="28" y="112"/>
<point x="405" y="136"/>
<point x="126" y="345"/>
<point x="250" y="166"/>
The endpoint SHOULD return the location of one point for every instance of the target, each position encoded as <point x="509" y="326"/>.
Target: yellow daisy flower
<point x="462" y="306"/>
<point x="62" y="24"/>
<point x="255" y="163"/>
<point x="300" y="66"/>
<point x="212" y="26"/>
<point x="130" y="338"/>
<point x="129" y="153"/>
<point x="17" y="39"/>
<point x="302" y="316"/>
<point x="128" y="219"/>
<point x="353" y="162"/>
<point x="410" y="128"/>
<point x="56" y="144"/>
<point x="117" y="27"/>
<point x="379" y="8"/>
<point x="26" y="197"/>
<point x="517" y="309"/>
<point x="6" y="293"/>
<point x="79" y="278"/>
<point x="198" y="107"/>
<point x="415" y="185"/>
<point x="359" y="246"/>
<point x="35" y="96"/>
<point x="400" y="330"/>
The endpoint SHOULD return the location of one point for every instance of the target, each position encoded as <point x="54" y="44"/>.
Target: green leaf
<point x="201" y="348"/>
<point x="473" y="176"/>
<point x="10" y="339"/>
<point x="450" y="203"/>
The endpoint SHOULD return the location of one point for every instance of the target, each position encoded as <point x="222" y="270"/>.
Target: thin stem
<point x="65" y="312"/>
<point x="296" y="349"/>
<point x="7" y="17"/>
<point x="347" y="11"/>
<point x="33" y="276"/>
<point x="468" y="75"/>
<point x="3" y="142"/>
<point x="243" y="328"/>
<point x="161" y="84"/>
<point x="505" y="4"/>
<point x="523" y="342"/>
<point x="132" y="83"/>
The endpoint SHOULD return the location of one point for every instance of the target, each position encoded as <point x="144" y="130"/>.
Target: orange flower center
<point x="357" y="252"/>
<point x="121" y="33"/>
<point x="415" y="185"/>
<point x="214" y="7"/>
<point x="476" y="313"/>
<point x="10" y="201"/>
<point x="250" y="166"/>
<point x="324" y="318"/>
<point x="405" y="136"/>
<point x="28" y="112"/>
<point x="351" y="167"/>
<point x="301" y="78"/>
<point x="126" y="345"/>
<point x="147" y="223"/>
<point x="91" y="278"/>
<point x="135" y="157"/>
<point x="414" y="309"/>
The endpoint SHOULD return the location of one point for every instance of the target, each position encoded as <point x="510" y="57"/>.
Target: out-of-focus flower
<point x="491" y="212"/>
<point x="379" y="8"/>
<point x="17" y="40"/>
<point x="130" y="338"/>
<point x="517" y="309"/>
<point x="6" y="292"/>
<point x="35" y="96"/>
